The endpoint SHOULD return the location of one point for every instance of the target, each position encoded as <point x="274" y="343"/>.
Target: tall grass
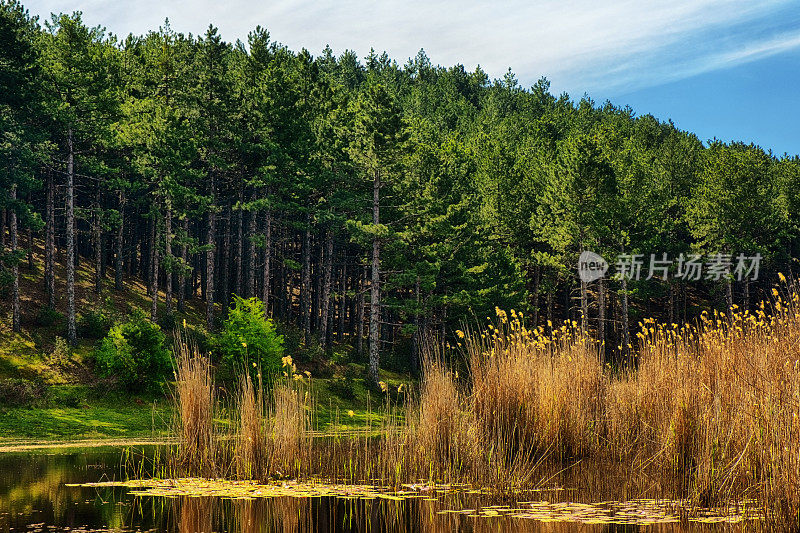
<point x="195" y="401"/>
<point x="251" y="445"/>
<point x="290" y="426"/>
<point x="710" y="411"/>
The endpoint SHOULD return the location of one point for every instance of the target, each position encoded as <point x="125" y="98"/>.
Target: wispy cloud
<point x="581" y="45"/>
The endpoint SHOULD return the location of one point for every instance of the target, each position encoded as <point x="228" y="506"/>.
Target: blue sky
<point x="720" y="68"/>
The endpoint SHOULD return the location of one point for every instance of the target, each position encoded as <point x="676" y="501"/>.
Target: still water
<point x="35" y="495"/>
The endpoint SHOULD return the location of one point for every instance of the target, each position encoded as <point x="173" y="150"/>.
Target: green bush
<point x="345" y="386"/>
<point x="93" y="324"/>
<point x="168" y="321"/>
<point x="61" y="352"/>
<point x="248" y="338"/>
<point x="47" y="316"/>
<point x="17" y="391"/>
<point x="135" y="353"/>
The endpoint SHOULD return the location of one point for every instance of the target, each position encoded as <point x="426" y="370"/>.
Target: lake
<point x="37" y="494"/>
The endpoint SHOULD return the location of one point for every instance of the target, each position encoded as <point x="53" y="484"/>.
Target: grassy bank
<point x="74" y="412"/>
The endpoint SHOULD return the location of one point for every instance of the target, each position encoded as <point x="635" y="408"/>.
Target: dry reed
<point x="710" y="410"/>
<point x="195" y="400"/>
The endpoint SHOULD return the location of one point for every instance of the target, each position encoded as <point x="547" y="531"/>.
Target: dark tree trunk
<point x="168" y="256"/>
<point x="212" y="243"/>
<point x="728" y="296"/>
<point x="342" y="303"/>
<point x="537" y="276"/>
<point x="601" y="317"/>
<point x="584" y="307"/>
<point x="240" y="246"/>
<point x="251" y="254"/>
<point x="118" y="260"/>
<point x="182" y="271"/>
<point x="746" y="303"/>
<point x="267" y="260"/>
<point x="15" y="320"/>
<point x="326" y="289"/>
<point x="98" y="245"/>
<point x="224" y="262"/>
<point x="671" y="303"/>
<point x="30" y="242"/>
<point x="416" y="338"/>
<point x="70" y="231"/>
<point x="154" y="269"/>
<point x="375" y="286"/>
<point x="360" y="315"/>
<point x="625" y="326"/>
<point x="306" y="282"/>
<point x="49" y="244"/>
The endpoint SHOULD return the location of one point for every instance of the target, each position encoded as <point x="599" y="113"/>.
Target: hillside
<point x="48" y="392"/>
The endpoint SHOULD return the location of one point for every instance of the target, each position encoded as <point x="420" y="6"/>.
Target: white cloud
<point x="581" y="45"/>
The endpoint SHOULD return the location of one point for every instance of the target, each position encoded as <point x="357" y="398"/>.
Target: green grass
<point x="94" y="419"/>
<point x="73" y="412"/>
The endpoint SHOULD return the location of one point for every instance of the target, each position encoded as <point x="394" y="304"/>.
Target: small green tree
<point x="248" y="338"/>
<point x="135" y="352"/>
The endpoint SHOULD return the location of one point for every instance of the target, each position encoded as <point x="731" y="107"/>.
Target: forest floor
<point x="46" y="396"/>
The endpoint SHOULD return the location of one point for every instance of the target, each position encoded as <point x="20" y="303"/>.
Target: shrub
<point x="294" y="342"/>
<point x="344" y="387"/>
<point x="61" y="352"/>
<point x="47" y="316"/>
<point x="16" y="391"/>
<point x="135" y="353"/>
<point x="93" y="324"/>
<point x="249" y="338"/>
<point x="168" y="321"/>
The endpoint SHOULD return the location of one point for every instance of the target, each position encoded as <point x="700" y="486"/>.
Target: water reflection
<point x="34" y="496"/>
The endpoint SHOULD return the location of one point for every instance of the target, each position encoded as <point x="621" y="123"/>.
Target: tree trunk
<point x="154" y="270"/>
<point x="601" y="317"/>
<point x="729" y="296"/>
<point x="416" y="338"/>
<point x="182" y="271"/>
<point x="30" y="241"/>
<point x="375" y="286"/>
<point x="360" y="313"/>
<point x="326" y="289"/>
<point x="168" y="255"/>
<point x="267" y="260"/>
<point x="98" y="245"/>
<point x="626" y="329"/>
<point x="584" y="307"/>
<point x="305" y="298"/>
<point x="211" y="242"/>
<point x="70" y="230"/>
<point x="671" y="289"/>
<point x="550" y="297"/>
<point x="224" y="259"/>
<point x="537" y="276"/>
<point x="49" y="244"/>
<point x="251" y="254"/>
<point x="240" y="246"/>
<point x="118" y="260"/>
<point x="342" y="303"/>
<point x="746" y="303"/>
<point x="15" y="322"/>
